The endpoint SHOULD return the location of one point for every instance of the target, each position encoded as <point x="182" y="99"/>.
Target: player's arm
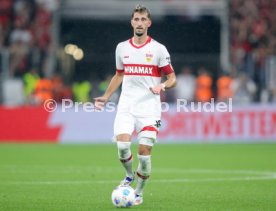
<point x="169" y="83"/>
<point x="165" y="66"/>
<point x="112" y="87"/>
<point x="115" y="81"/>
<point x="114" y="84"/>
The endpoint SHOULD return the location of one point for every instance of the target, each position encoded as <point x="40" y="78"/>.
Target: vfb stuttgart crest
<point x="149" y="56"/>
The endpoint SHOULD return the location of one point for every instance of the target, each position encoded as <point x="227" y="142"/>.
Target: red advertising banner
<point x="243" y="124"/>
<point x="27" y="124"/>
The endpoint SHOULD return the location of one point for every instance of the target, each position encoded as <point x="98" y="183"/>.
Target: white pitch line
<point x="76" y="169"/>
<point x="210" y="171"/>
<point x="271" y="177"/>
<point x="183" y="180"/>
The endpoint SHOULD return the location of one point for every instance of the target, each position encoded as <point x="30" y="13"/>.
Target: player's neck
<point x="140" y="40"/>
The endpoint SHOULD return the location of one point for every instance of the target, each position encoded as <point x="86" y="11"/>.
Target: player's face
<point x="140" y="23"/>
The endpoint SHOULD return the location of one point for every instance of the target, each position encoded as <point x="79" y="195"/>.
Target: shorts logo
<point x="158" y="123"/>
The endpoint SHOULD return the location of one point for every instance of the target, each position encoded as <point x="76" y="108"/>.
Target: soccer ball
<point x="123" y="196"/>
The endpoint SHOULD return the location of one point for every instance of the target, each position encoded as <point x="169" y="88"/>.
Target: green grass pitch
<point x="184" y="177"/>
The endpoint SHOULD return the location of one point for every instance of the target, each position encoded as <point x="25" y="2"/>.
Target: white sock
<point x="125" y="156"/>
<point x="143" y="172"/>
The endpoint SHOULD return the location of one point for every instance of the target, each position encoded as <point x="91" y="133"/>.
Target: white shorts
<point x="145" y="127"/>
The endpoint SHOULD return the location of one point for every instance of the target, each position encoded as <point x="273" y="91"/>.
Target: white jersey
<point x="142" y="66"/>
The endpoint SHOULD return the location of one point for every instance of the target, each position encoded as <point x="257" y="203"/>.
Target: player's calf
<point x="126" y="159"/>
<point x="143" y="173"/>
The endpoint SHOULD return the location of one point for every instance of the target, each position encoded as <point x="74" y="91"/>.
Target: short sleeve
<point x="119" y="63"/>
<point x="165" y="61"/>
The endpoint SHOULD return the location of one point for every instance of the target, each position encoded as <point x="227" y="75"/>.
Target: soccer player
<point x="140" y="62"/>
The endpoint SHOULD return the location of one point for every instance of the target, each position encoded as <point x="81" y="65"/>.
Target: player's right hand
<point x="100" y="102"/>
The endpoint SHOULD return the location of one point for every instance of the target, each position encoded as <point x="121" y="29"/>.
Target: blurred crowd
<point x="201" y="87"/>
<point x="25" y="30"/>
<point x="253" y="40"/>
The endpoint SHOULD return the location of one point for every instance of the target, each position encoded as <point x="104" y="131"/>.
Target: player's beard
<point x="139" y="34"/>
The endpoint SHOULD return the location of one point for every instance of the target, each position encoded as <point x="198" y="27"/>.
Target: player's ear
<point x="131" y="22"/>
<point x="149" y="23"/>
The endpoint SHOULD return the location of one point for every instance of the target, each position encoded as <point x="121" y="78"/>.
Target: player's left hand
<point x="157" y="89"/>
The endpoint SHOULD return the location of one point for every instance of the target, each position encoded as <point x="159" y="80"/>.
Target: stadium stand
<point x="253" y="40"/>
<point x="26" y="25"/>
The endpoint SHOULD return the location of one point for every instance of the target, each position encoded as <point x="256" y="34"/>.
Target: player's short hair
<point x="141" y="9"/>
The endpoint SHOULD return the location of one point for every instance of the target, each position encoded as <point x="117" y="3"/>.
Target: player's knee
<point x="147" y="141"/>
<point x="145" y="165"/>
<point x="144" y="149"/>
<point x="123" y="137"/>
<point x="147" y="138"/>
<point x="146" y="134"/>
<point x="123" y="149"/>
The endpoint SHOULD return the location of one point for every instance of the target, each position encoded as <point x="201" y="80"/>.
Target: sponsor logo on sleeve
<point x="168" y="59"/>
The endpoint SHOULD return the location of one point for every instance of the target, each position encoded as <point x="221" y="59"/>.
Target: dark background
<point x="186" y="40"/>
